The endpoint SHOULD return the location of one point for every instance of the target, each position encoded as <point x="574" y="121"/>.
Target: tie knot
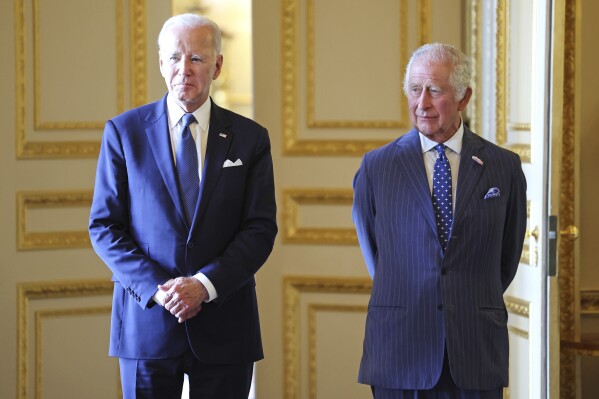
<point x="188" y="119"/>
<point x="440" y="148"/>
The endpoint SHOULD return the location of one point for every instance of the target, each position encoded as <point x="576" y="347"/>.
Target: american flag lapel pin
<point x="477" y="160"/>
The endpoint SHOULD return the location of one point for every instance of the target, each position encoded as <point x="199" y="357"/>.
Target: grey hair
<point x="192" y="21"/>
<point x="459" y="63"/>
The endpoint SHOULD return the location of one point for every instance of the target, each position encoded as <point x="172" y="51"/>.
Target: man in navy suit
<point x="437" y="322"/>
<point x="184" y="288"/>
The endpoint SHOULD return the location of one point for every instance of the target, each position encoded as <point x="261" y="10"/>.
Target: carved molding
<point x="37" y="84"/>
<point x="27" y="149"/>
<point x="27" y="292"/>
<point x="589" y="302"/>
<point x="475" y="37"/>
<point x="39" y="317"/>
<point x="311" y="75"/>
<point x="569" y="326"/>
<point x="293" y="288"/>
<point x="296" y="234"/>
<point x="54" y="239"/>
<point x="312" y="336"/>
<point x="292" y="143"/>
<point x="424" y="28"/>
<point x="502" y="86"/>
<point x="517" y="306"/>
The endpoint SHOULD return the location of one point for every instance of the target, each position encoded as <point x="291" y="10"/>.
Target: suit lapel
<point x="409" y="159"/>
<point x="159" y="138"/>
<point x="217" y="148"/>
<point x="470" y="170"/>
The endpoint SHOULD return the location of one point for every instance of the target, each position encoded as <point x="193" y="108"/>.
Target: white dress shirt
<point x="199" y="129"/>
<point x="453" y="151"/>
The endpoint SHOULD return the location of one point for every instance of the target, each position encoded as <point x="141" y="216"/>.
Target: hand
<point x="183" y="297"/>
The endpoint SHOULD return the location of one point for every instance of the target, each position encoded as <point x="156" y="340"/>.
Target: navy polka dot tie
<point x="442" y="202"/>
<point x="187" y="168"/>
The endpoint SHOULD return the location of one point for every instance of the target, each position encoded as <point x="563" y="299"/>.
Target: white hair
<point x="459" y="77"/>
<point x="192" y="21"/>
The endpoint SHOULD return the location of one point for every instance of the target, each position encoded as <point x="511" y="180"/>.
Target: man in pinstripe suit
<point x="437" y="323"/>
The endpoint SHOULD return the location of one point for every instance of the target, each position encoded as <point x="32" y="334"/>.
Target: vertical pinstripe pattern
<point x="421" y="299"/>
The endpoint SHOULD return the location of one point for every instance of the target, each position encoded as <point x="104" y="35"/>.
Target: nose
<point x="184" y="66"/>
<point x="424" y="101"/>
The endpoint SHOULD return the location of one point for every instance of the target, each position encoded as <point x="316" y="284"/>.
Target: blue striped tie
<point x="442" y="202"/>
<point x="187" y="168"/>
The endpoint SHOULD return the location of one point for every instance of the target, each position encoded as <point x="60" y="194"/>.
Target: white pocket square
<point x="492" y="193"/>
<point x="228" y="163"/>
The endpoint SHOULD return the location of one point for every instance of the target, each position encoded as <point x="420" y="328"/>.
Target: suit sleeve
<point x="253" y="243"/>
<point x="515" y="226"/>
<point x="363" y="213"/>
<point x="109" y="224"/>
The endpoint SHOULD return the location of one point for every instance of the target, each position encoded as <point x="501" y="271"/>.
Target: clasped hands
<point x="182" y="296"/>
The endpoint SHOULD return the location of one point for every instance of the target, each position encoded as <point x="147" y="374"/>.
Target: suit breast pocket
<point x="231" y="183"/>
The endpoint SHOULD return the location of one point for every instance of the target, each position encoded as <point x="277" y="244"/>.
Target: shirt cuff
<point x="212" y="294"/>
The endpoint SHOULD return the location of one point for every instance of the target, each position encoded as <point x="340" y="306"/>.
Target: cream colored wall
<point x="589" y="187"/>
<point x="327" y="84"/>
<point x="67" y="66"/>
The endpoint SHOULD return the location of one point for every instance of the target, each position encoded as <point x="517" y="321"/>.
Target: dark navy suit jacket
<point x="138" y="228"/>
<point x="423" y="300"/>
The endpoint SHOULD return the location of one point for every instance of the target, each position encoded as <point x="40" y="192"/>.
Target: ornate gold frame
<point x="502" y="86"/>
<point x="293" y="288"/>
<point x="26" y="149"/>
<point x="312" y="352"/>
<point x="26" y="292"/>
<point x="50" y="199"/>
<point x="295" y="234"/>
<point x="520" y="308"/>
<point x="311" y="77"/>
<point x="569" y="326"/>
<point x="292" y="143"/>
<point x="39" y="317"/>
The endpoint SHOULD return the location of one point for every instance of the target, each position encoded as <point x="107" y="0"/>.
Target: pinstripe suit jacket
<point x="423" y="300"/>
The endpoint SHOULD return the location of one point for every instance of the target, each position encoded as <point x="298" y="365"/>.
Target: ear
<point x="219" y="66"/>
<point x="466" y="99"/>
<point x="160" y="62"/>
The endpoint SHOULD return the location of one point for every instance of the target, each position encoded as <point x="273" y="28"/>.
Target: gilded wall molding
<point x="139" y="57"/>
<point x="38" y="149"/>
<point x="311" y="75"/>
<point x="46" y="200"/>
<point x="475" y="38"/>
<point x="502" y="86"/>
<point x="37" y="84"/>
<point x="589" y="302"/>
<point x="293" y="288"/>
<point x="424" y="29"/>
<point x="294" y="233"/>
<point x="292" y="143"/>
<point x="569" y="325"/>
<point x="517" y="306"/>
<point x="27" y="292"/>
<point x="313" y="309"/>
<point x="39" y="317"/>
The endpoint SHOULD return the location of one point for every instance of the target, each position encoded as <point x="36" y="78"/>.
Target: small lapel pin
<point x="477" y="160"/>
<point x="224" y="136"/>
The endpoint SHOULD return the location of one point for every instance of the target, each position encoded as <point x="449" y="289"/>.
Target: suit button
<point x="439" y="307"/>
<point x="443" y="271"/>
<point x="190" y="245"/>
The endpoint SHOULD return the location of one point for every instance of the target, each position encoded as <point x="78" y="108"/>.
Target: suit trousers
<point x="163" y="378"/>
<point x="445" y="389"/>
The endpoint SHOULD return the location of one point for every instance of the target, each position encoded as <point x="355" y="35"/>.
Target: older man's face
<point x="189" y="63"/>
<point x="434" y="111"/>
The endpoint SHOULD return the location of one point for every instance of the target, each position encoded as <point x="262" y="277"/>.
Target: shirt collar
<point x="454" y="143"/>
<point x="175" y="113"/>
